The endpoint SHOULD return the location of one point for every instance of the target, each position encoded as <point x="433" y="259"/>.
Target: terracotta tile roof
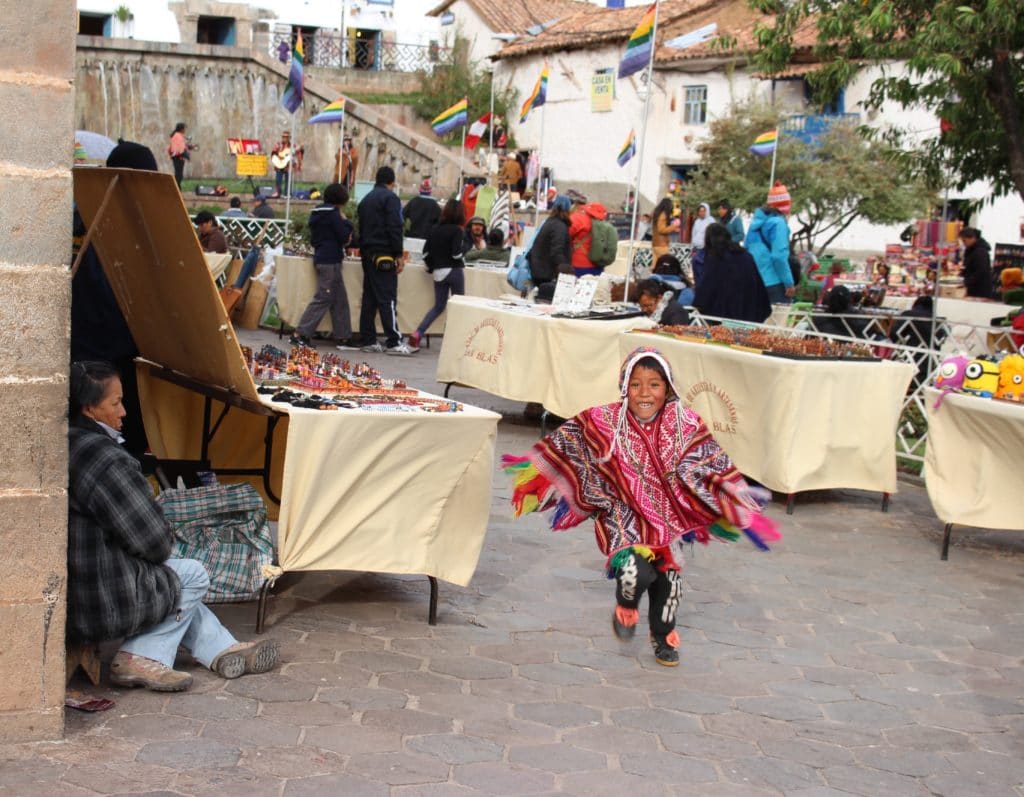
<point x="737" y="20"/>
<point x="515" y="16"/>
<point x="597" y="27"/>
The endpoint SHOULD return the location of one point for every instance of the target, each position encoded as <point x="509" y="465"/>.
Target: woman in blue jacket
<point x="768" y="244"/>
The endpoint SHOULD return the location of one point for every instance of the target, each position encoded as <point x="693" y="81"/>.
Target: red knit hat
<point x="778" y="198"/>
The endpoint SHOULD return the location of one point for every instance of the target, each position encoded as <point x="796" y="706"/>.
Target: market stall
<point x="792" y="424"/>
<point x="972" y="466"/>
<point x="974" y="312"/>
<point x="522" y="352"/>
<point x="296" y="284"/>
<point x="370" y="475"/>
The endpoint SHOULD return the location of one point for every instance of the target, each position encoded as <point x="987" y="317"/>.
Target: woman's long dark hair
<point x="718" y="241"/>
<point x="666" y="207"/>
<point x="89" y="382"/>
<point x="179" y="128"/>
<point x="453" y="213"/>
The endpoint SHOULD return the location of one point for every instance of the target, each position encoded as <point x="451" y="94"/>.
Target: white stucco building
<point x="691" y="88"/>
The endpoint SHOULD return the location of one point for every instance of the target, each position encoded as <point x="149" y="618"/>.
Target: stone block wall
<point x="36" y="126"/>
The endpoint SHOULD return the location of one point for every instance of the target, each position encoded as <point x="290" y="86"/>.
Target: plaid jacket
<point x="117" y="540"/>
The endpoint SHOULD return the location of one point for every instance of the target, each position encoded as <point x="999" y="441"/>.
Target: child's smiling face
<point x="646" y="394"/>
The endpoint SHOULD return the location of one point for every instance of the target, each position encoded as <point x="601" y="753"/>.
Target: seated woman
<point x="669" y="270"/>
<point x="838" y="302"/>
<point x="659" y="304"/>
<point x="121" y="583"/>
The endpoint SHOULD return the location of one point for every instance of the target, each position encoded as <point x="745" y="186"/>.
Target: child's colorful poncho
<point x="645" y="488"/>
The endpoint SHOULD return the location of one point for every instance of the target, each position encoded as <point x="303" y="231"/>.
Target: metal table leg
<point x="432" y="611"/>
<point x="885" y="502"/>
<point x="790" y="503"/>
<point x="945" y="541"/>
<point x="261" y="606"/>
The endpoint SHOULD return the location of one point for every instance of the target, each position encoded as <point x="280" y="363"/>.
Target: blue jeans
<point x="191" y="625"/>
<point x="456" y="283"/>
<point x="777" y="294"/>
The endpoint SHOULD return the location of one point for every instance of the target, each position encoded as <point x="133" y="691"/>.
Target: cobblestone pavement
<point x="850" y="660"/>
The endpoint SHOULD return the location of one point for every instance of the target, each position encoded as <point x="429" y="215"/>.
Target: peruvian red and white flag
<point x="477" y="130"/>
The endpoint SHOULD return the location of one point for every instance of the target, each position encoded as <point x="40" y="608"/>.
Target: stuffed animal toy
<point x="1011" y="378"/>
<point x="981" y="377"/>
<point x="950" y="376"/>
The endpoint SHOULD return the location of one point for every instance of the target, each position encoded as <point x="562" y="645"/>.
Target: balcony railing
<point x="324" y="48"/>
<point x="810" y="127"/>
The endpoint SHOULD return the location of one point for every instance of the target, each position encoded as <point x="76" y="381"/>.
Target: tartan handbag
<point x="225" y="527"/>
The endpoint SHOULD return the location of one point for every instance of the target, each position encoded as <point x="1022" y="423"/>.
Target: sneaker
<point x="351" y="344"/>
<point x="372" y="348"/>
<point x="300" y="340"/>
<point x="624" y="622"/>
<point x="401" y="350"/>
<point x="666" y="650"/>
<point x="247" y="657"/>
<point x="414" y="340"/>
<point x="128" y="669"/>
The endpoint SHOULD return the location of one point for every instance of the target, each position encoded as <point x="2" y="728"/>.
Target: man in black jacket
<point x="380" y="247"/>
<point x="423" y="212"/>
<point x="977" y="270"/>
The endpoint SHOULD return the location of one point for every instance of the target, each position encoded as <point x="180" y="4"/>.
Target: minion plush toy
<point x="1011" y="378"/>
<point x="981" y="377"/>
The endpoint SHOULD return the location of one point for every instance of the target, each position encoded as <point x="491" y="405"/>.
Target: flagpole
<point x="640" y="152"/>
<point x="462" y="155"/>
<point x="540" y="165"/>
<point x="775" y="152"/>
<point x="291" y="169"/>
<point x="341" y="150"/>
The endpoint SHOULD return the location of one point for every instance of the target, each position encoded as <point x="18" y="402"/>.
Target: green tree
<point x="834" y="181"/>
<point x="463" y="78"/>
<point x="962" y="61"/>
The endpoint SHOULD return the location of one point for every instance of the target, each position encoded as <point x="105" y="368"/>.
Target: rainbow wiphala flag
<point x="292" y="97"/>
<point x="765" y="143"/>
<point x="628" y="150"/>
<point x="639" y="46"/>
<point x="537" y="97"/>
<point x="448" y="120"/>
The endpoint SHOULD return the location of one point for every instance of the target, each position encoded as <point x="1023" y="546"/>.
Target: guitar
<point x="282" y="159"/>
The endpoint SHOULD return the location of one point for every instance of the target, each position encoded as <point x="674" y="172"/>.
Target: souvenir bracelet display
<point x="768" y="342"/>
<point x="999" y="377"/>
<point x="304" y="378"/>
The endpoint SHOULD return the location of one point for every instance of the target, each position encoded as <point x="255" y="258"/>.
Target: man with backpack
<point x="768" y="244"/>
<point x="594" y="241"/>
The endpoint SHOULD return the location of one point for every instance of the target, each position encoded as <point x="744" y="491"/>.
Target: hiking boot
<point x="666" y="650"/>
<point x="401" y="350"/>
<point x="624" y="622"/>
<point x="372" y="348"/>
<point x="246" y="657"/>
<point x="128" y="669"/>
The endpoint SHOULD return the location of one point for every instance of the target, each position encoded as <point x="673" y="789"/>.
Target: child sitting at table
<point x="648" y="472"/>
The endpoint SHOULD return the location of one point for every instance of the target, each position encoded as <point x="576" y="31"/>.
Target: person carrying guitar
<point x="282" y="156"/>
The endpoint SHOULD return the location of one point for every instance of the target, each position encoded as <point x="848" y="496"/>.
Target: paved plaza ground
<point x="849" y="660"/>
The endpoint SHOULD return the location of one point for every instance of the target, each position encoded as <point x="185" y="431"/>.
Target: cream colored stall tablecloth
<point x="296" y="284"/>
<point x="565" y="364"/>
<point x="360" y="490"/>
<point x="792" y="424"/>
<point x="974" y="461"/>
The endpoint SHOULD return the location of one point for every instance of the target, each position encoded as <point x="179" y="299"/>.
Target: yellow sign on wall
<point x="602" y="91"/>
<point x="251" y="165"/>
